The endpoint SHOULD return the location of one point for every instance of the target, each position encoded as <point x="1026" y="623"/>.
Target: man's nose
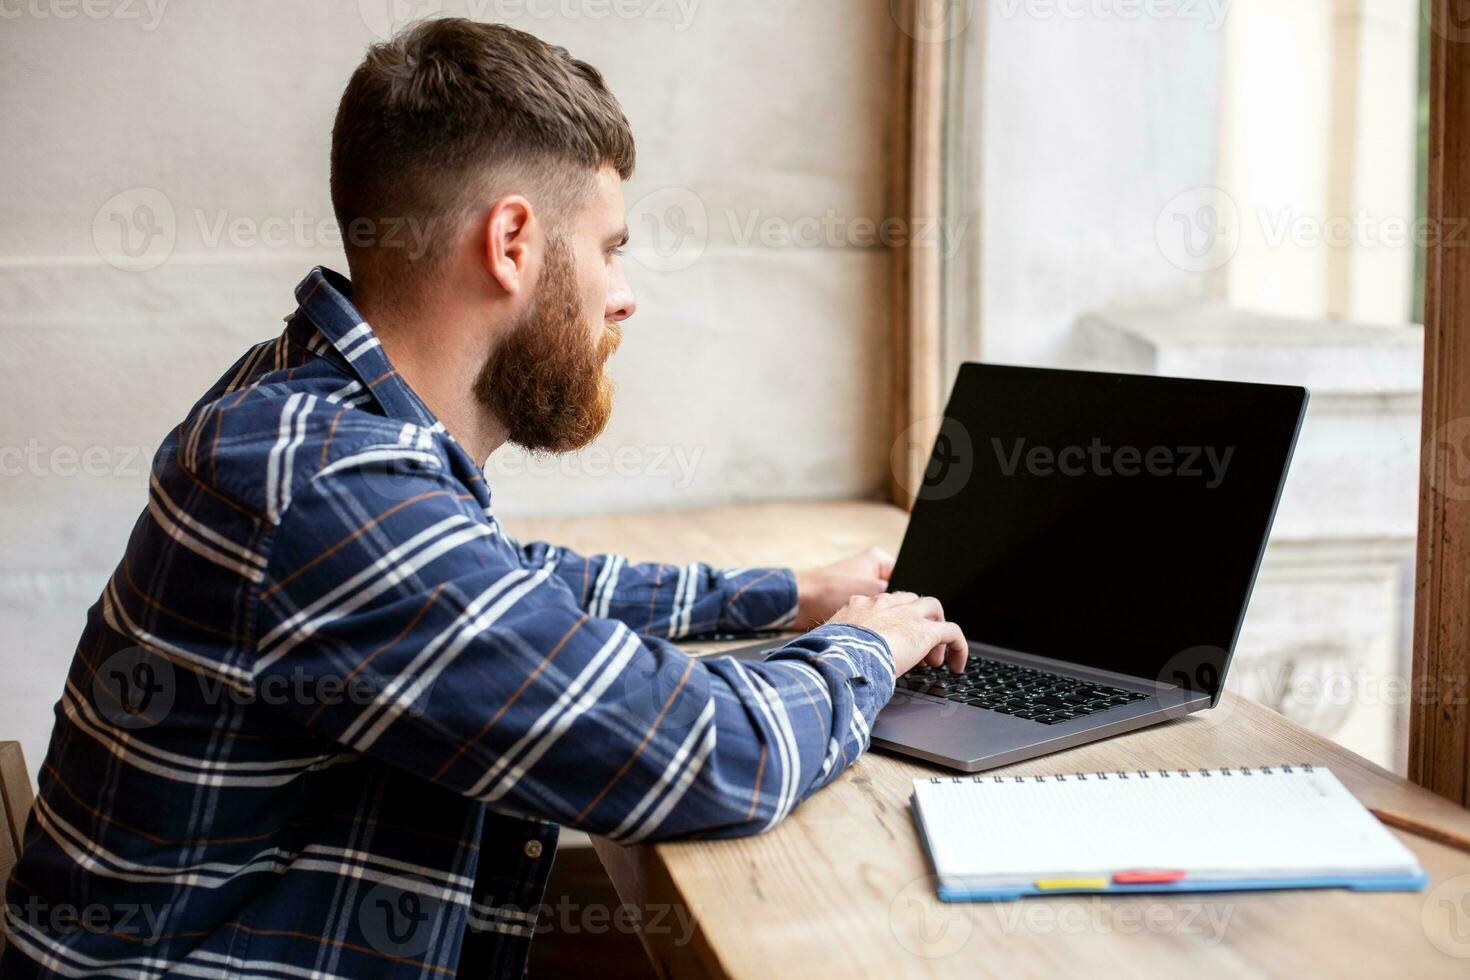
<point x="621" y="304"/>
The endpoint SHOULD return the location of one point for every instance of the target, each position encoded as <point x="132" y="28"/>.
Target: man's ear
<point x="511" y="229"/>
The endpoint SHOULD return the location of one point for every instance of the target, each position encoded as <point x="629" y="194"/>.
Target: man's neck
<point x="426" y="353"/>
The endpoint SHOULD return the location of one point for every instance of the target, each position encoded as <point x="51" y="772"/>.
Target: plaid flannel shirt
<point x="326" y="717"/>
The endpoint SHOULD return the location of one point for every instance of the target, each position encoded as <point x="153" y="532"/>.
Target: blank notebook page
<point x="1271" y="821"/>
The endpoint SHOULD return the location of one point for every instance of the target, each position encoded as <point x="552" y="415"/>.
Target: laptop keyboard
<point x="1022" y="692"/>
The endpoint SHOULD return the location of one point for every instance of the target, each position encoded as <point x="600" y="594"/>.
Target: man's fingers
<point x="930" y="608"/>
<point x="885" y="562"/>
<point x="925" y="606"/>
<point x="959" y="655"/>
<point x="950" y="646"/>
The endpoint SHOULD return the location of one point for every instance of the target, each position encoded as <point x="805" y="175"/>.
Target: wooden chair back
<point x="16" y="797"/>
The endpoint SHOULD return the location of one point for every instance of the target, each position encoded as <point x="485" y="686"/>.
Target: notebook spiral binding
<point x="1083" y="777"/>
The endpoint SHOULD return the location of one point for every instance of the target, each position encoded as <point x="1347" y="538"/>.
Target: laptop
<point x="1097" y="537"/>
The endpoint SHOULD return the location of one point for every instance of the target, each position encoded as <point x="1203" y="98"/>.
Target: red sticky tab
<point x="1147" y="877"/>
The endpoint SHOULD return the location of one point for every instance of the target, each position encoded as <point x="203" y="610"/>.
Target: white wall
<point x="1091" y="123"/>
<point x="755" y="370"/>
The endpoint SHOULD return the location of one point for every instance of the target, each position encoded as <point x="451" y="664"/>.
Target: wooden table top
<point x="842" y="883"/>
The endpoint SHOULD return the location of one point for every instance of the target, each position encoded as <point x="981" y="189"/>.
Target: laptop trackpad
<point x="954" y="730"/>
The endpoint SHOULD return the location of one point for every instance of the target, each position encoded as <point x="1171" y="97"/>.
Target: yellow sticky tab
<point x="1057" y="884"/>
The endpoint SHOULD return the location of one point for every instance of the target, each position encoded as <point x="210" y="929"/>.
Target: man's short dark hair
<point x="448" y="112"/>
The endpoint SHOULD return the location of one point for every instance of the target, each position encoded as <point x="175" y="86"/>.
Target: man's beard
<point x="545" y="380"/>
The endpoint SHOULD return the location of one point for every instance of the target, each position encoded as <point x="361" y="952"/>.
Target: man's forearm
<point x="672" y="601"/>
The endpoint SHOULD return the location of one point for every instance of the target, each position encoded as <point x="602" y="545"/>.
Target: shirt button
<point x="533" y="848"/>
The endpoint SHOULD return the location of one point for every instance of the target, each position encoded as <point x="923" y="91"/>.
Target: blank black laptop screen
<point x="1112" y="521"/>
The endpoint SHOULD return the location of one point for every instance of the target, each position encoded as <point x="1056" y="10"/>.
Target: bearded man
<point x="327" y="716"/>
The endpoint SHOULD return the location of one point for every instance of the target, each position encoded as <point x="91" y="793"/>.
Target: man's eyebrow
<point x="618" y="238"/>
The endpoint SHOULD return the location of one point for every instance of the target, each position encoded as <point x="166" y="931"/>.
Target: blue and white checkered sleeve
<point x="673" y="601"/>
<point x="406" y="633"/>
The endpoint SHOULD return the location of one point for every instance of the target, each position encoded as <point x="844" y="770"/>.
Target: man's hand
<point x="820" y="592"/>
<point x="914" y="627"/>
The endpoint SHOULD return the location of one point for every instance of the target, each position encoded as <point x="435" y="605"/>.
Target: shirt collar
<point x="324" y="300"/>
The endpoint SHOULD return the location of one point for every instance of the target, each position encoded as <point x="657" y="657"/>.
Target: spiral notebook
<point x="1003" y="837"/>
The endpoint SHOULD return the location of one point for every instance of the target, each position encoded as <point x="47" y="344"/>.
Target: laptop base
<point x="973" y="739"/>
